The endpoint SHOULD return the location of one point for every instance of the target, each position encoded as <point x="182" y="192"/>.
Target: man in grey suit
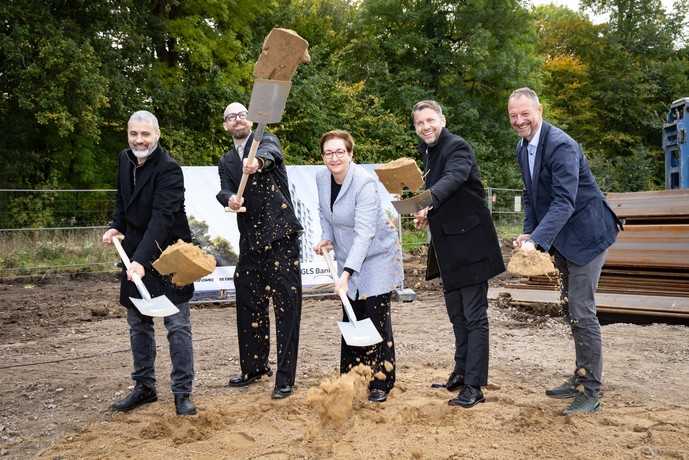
<point x="566" y="215"/>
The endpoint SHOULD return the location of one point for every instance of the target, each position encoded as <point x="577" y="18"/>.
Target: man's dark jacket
<point x="150" y="213"/>
<point x="269" y="213"/>
<point x="564" y="208"/>
<point x="465" y="247"/>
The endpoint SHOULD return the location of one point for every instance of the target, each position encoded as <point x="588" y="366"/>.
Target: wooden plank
<point x="624" y="289"/>
<point x="639" y="303"/>
<point x="649" y="273"/>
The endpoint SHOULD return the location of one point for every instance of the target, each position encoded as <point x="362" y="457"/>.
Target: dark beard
<point x="241" y="134"/>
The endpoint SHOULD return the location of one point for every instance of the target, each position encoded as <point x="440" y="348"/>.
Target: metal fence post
<point x="489" y="197"/>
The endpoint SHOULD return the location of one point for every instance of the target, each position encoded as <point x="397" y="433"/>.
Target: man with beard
<point x="565" y="214"/>
<point x="464" y="249"/>
<point x="268" y="266"/>
<point x="149" y="212"/>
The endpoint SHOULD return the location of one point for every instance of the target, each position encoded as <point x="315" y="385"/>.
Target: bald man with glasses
<point x="269" y="265"/>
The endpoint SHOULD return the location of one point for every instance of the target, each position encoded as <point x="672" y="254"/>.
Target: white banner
<point x="216" y="230"/>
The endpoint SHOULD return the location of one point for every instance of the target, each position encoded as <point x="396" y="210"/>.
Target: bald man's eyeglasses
<point x="236" y="116"/>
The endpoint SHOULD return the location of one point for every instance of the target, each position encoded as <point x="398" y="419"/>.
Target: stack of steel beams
<point x="651" y="255"/>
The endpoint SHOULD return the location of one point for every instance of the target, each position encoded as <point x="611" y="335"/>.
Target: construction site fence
<point x="46" y="233"/>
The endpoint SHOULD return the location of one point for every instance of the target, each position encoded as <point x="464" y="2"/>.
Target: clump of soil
<point x="335" y="398"/>
<point x="530" y="263"/>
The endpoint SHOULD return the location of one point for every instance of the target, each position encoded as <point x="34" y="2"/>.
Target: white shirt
<point x="531" y="147"/>
<point x="240" y="148"/>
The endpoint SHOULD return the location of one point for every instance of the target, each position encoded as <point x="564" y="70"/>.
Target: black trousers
<point x="379" y="357"/>
<point x="273" y="273"/>
<point x="467" y="308"/>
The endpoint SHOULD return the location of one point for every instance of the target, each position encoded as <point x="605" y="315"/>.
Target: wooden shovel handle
<point x="349" y="311"/>
<point x="125" y="259"/>
<point x="258" y="136"/>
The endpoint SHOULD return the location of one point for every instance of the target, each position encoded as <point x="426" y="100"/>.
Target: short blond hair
<point x="427" y="104"/>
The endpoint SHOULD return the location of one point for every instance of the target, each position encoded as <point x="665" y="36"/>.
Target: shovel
<point x="355" y="333"/>
<point x="282" y="52"/>
<point x="267" y="105"/>
<point x="157" y="306"/>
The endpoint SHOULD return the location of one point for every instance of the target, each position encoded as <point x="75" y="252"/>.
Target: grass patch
<point x="54" y="251"/>
<point x="412" y="239"/>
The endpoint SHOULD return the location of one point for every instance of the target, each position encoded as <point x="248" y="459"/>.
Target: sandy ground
<point x="66" y="358"/>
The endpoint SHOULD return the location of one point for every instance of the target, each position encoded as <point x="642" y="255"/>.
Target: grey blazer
<point x="359" y="230"/>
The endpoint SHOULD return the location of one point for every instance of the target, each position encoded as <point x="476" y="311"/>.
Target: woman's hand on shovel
<point x="342" y="284"/>
<point x="322" y="247"/>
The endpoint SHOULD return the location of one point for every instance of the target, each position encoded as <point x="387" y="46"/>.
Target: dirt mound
<point x="59" y="384"/>
<point x="335" y="398"/>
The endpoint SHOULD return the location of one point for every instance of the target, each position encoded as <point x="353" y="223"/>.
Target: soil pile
<point x="60" y="377"/>
<point x="187" y="263"/>
<point x="335" y="398"/>
<point x="530" y="263"/>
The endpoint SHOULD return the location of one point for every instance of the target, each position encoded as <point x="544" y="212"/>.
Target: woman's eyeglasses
<point x="339" y="153"/>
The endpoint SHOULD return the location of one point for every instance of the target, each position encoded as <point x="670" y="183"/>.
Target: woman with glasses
<point x="367" y="250"/>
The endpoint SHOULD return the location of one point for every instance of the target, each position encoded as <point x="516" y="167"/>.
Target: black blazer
<point x="269" y="212"/>
<point x="150" y="213"/>
<point x="465" y="248"/>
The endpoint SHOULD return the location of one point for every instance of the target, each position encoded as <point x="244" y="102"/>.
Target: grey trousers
<point x="142" y="338"/>
<point x="578" y="285"/>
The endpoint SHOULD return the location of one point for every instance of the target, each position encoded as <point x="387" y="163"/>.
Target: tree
<point x="610" y="85"/>
<point x="469" y="56"/>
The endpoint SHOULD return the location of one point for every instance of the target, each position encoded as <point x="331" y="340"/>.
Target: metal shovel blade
<point x="359" y="333"/>
<point x="159" y="306"/>
<point x="268" y="99"/>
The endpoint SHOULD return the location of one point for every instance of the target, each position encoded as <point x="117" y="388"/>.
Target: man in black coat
<point x="464" y="249"/>
<point x="150" y="213"/>
<point x="268" y="265"/>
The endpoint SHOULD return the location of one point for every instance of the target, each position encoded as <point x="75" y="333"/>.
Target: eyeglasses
<point x="339" y="153"/>
<point x="236" y="116"/>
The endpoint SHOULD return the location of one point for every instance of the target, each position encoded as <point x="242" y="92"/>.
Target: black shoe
<point x="468" y="397"/>
<point x="454" y="382"/>
<point x="377" y="395"/>
<point x="139" y="396"/>
<point x="565" y="391"/>
<point x="282" y="392"/>
<point x="183" y="404"/>
<point x="244" y="380"/>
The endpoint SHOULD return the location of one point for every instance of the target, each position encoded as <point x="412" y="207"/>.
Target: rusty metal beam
<point x="668" y="204"/>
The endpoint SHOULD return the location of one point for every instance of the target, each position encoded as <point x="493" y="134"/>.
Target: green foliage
<point x="413" y="239"/>
<point x="38" y="253"/>
<point x="73" y="72"/>
<point x="610" y="85"/>
<point x="218" y="247"/>
<point x="468" y="56"/>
